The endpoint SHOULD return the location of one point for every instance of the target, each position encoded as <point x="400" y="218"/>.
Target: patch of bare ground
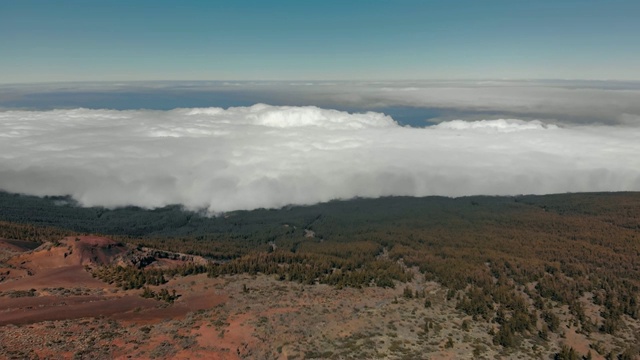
<point x="74" y="307"/>
<point x="16" y="246"/>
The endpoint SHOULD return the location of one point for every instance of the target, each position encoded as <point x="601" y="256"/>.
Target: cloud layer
<point x="557" y="101"/>
<point x="268" y="156"/>
<point x="575" y="102"/>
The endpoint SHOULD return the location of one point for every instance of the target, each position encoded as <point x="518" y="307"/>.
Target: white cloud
<point x="571" y="101"/>
<point x="266" y="156"/>
<point x="558" y="101"/>
<point x="500" y="125"/>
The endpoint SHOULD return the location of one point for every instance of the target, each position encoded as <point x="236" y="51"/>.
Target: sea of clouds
<point x="271" y="156"/>
<point x="577" y="102"/>
<point x="554" y="101"/>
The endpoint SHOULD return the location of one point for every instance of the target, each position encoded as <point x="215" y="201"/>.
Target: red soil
<point x="236" y="337"/>
<point x="66" y="276"/>
<point x="73" y="307"/>
<point x="17" y="245"/>
<point x="57" y="273"/>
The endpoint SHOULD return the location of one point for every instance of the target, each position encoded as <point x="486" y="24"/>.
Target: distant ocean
<point x="167" y="99"/>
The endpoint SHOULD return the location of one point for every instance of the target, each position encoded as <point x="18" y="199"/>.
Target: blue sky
<point x="46" y="41"/>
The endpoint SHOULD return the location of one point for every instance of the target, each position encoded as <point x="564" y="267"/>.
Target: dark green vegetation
<point x="510" y="260"/>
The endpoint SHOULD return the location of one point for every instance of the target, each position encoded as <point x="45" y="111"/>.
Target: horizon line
<point x="320" y="81"/>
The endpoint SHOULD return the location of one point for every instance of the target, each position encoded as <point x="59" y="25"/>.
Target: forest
<point x="510" y="260"/>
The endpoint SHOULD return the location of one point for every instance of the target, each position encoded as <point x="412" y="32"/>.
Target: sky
<point x="86" y="40"/>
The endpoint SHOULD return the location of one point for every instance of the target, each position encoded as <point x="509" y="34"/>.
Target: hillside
<point x="532" y="276"/>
